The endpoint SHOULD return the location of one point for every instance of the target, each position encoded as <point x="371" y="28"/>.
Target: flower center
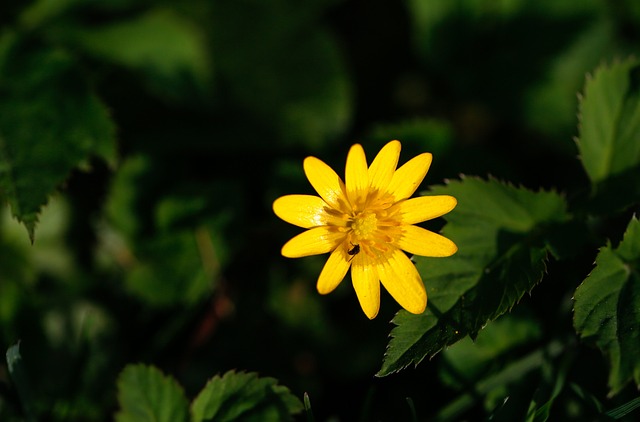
<point x="371" y="230"/>
<point x="364" y="225"/>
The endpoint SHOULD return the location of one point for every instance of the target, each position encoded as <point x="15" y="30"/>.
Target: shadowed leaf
<point x="146" y="395"/>
<point x="244" y="396"/>
<point x="610" y="120"/>
<point x="501" y="234"/>
<point x="607" y="308"/>
<point x="50" y="123"/>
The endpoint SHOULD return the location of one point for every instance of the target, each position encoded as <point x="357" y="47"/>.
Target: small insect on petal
<point x="353" y="251"/>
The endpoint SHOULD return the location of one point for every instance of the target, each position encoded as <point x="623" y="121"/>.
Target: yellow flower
<point x="366" y="222"/>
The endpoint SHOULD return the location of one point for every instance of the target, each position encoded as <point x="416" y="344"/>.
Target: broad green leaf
<point x="609" y="139"/>
<point x="147" y="395"/>
<point x="607" y="308"/>
<point x="501" y="234"/>
<point x="50" y="123"/>
<point x="168" y="50"/>
<point x="244" y="396"/>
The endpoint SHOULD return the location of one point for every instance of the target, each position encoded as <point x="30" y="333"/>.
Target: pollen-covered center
<point x="373" y="230"/>
<point x="364" y="225"/>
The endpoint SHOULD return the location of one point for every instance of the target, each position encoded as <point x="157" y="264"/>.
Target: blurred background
<point x="164" y="248"/>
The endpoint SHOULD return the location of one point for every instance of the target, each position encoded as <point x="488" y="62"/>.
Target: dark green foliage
<point x="244" y="396"/>
<point x="50" y="123"/>
<point x="142" y="145"/>
<point x="145" y="394"/>
<point x="502" y="234"/>
<point x="606" y="307"/>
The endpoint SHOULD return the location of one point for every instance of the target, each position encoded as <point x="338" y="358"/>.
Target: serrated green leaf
<point x="147" y="395"/>
<point x="609" y="140"/>
<point x="168" y="50"/>
<point x="244" y="396"/>
<point x="501" y="234"/>
<point x="607" y="308"/>
<point x="50" y="123"/>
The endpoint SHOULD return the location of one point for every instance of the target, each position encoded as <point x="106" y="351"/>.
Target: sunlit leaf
<point x="607" y="308"/>
<point x="147" y="395"/>
<point x="609" y="140"/>
<point x="244" y="396"/>
<point x="501" y="234"/>
<point x="50" y="123"/>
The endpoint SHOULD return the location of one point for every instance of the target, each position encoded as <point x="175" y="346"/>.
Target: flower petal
<point x="401" y="279"/>
<point x="356" y="176"/>
<point x="315" y="241"/>
<point x="423" y="208"/>
<point x="306" y="211"/>
<point x="334" y="271"/>
<point x="383" y="166"/>
<point x="419" y="241"/>
<point x="366" y="284"/>
<point x="407" y="178"/>
<point x="325" y="181"/>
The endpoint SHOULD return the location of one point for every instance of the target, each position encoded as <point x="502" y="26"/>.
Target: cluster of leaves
<point x="141" y="144"/>
<point x="509" y="234"/>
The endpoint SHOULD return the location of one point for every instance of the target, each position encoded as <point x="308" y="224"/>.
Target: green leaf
<point x="609" y="140"/>
<point x="19" y="378"/>
<point x="607" y="308"/>
<point x="146" y="394"/>
<point x="168" y="50"/>
<point x="50" y="123"/>
<point x="501" y="232"/>
<point x="627" y="408"/>
<point x="244" y="396"/>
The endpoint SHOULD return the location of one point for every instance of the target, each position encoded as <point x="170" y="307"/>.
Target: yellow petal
<point x="306" y="211"/>
<point x="401" y="279"/>
<point x="356" y="175"/>
<point x="325" y="181"/>
<point x="407" y="178"/>
<point x="334" y="271"/>
<point x="366" y="284"/>
<point x="423" y="208"/>
<point x="419" y="241"/>
<point x="383" y="166"/>
<point x="314" y="241"/>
